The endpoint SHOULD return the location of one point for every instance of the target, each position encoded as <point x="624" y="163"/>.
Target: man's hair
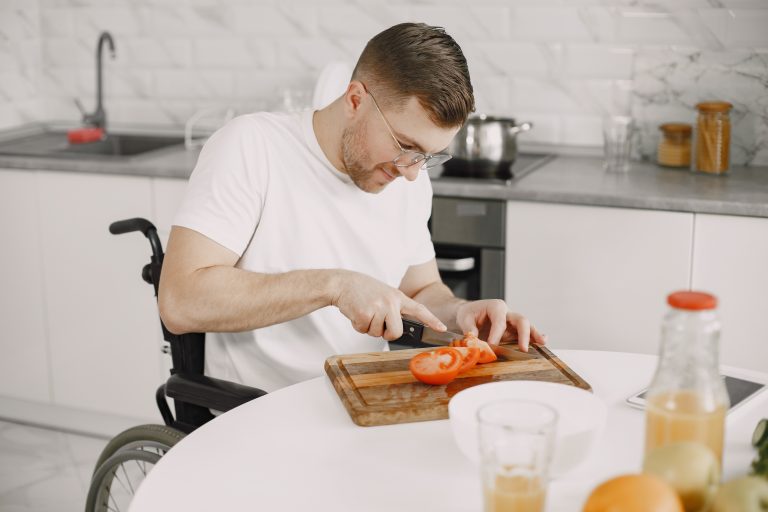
<point x="414" y="59"/>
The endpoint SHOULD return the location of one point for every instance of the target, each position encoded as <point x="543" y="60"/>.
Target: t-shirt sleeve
<point x="420" y="240"/>
<point x="225" y="195"/>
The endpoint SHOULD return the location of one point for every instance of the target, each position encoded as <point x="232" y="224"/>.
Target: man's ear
<point x="353" y="98"/>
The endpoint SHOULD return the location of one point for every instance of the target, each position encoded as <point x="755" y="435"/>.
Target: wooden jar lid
<point x="676" y="129"/>
<point x="714" y="106"/>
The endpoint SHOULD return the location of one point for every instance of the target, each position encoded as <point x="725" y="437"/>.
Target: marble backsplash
<point x="562" y="64"/>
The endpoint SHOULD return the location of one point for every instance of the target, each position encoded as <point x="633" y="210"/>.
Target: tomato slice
<point x="470" y="355"/>
<point x="436" y="366"/>
<point x="487" y="355"/>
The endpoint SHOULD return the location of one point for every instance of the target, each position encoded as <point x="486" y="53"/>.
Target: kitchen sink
<point x="54" y="144"/>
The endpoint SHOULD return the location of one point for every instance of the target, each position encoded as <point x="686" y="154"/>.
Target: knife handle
<point x="412" y="333"/>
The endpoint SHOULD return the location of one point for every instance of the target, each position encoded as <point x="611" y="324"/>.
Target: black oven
<point x="469" y="236"/>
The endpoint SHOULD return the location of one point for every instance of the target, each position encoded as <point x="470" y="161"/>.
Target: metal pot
<point x="485" y="147"/>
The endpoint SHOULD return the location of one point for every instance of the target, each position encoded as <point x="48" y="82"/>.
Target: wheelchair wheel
<point x="117" y="479"/>
<point x="125" y="462"/>
<point x="152" y="438"/>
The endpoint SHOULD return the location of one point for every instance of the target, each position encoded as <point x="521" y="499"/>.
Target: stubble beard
<point x="352" y="156"/>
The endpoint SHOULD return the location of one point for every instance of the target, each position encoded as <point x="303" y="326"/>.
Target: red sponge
<point x="83" y="135"/>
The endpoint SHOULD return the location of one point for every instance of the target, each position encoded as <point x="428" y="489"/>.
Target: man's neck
<point x="328" y="125"/>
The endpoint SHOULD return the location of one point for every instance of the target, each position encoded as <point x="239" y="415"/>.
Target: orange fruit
<point x="634" y="493"/>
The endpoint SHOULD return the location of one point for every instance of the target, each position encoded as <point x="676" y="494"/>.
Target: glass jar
<point x="675" y="146"/>
<point x="713" y="137"/>
<point x="687" y="399"/>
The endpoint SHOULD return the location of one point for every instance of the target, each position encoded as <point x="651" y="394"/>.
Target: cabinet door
<point x="23" y="344"/>
<point x="593" y="277"/>
<point x="102" y="316"/>
<point x="730" y="260"/>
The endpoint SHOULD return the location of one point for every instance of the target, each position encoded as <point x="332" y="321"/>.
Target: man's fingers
<point x="421" y="313"/>
<point x="523" y="327"/>
<point x="393" y="325"/>
<point x="376" y="329"/>
<point x="498" y="318"/>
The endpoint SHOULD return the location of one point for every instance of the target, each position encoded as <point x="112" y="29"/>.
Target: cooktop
<point x="525" y="163"/>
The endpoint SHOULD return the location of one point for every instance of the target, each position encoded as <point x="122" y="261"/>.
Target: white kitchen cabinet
<point x="730" y="260"/>
<point x="24" y="358"/>
<point x="596" y="277"/>
<point x="102" y="321"/>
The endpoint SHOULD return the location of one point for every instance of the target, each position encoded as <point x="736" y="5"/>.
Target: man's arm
<point x="423" y="284"/>
<point x="202" y="291"/>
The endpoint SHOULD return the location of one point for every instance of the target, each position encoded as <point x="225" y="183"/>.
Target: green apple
<point x="746" y="494"/>
<point x="690" y="468"/>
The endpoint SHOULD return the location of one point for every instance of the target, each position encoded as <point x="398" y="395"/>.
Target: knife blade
<point x="416" y="333"/>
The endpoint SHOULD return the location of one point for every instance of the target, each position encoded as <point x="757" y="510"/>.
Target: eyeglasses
<point x="409" y="157"/>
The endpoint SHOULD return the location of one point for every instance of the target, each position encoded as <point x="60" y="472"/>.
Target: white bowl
<point x="581" y="418"/>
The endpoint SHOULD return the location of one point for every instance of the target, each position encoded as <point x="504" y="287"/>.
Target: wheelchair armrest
<point x="217" y="394"/>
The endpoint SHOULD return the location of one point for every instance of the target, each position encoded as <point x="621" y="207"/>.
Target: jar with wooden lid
<point x="713" y="137"/>
<point x="675" y="146"/>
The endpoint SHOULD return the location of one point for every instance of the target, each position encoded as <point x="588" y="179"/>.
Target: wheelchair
<point x="129" y="456"/>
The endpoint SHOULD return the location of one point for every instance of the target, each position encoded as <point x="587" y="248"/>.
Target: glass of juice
<point x="516" y="444"/>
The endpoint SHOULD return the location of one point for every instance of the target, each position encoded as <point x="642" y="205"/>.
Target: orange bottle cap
<point x="692" y="301"/>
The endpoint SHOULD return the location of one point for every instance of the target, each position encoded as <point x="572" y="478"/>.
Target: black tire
<point x="153" y="438"/>
<point x="102" y="497"/>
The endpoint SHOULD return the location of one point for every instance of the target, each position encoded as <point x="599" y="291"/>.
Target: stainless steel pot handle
<point x="455" y="264"/>
<point x="520" y="128"/>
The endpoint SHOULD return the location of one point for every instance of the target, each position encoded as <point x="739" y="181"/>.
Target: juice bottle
<point x="687" y="399"/>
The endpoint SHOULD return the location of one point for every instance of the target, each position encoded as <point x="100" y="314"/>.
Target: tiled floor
<point x="45" y="470"/>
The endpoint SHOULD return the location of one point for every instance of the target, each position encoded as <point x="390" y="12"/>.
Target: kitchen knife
<point x="417" y="333"/>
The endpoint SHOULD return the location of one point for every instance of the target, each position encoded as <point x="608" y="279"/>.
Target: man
<point x="295" y="226"/>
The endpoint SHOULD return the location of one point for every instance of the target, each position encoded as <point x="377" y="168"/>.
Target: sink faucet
<point x="99" y="117"/>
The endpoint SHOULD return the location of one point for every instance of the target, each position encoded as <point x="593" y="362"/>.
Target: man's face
<point x="368" y="147"/>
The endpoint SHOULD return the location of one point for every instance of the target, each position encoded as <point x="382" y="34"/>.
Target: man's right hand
<point x="375" y="308"/>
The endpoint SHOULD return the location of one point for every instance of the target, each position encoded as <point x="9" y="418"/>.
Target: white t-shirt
<point x="263" y="188"/>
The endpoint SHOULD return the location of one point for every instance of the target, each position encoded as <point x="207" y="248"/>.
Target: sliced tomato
<point x="470" y="355"/>
<point x="436" y="366"/>
<point x="487" y="355"/>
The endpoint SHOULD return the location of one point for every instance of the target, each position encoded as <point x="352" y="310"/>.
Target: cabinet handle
<point x="165" y="349"/>
<point x="455" y="264"/>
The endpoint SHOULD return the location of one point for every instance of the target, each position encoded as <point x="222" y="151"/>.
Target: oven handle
<point x="455" y="264"/>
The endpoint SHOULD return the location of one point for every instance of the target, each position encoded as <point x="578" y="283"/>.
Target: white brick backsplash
<point x="558" y="63"/>
<point x="649" y="27"/>
<point x="517" y="59"/>
<point x="491" y="95"/>
<point x="119" y="21"/>
<point x="67" y="52"/>
<point x="155" y="52"/>
<point x="463" y="23"/>
<point x="598" y="61"/>
<point x="223" y="53"/>
<point x="582" y="131"/>
<point x="543" y="96"/>
<point x="198" y="83"/>
<point x="273" y="20"/>
<point x="364" y="20"/>
<point x="548" y="24"/>
<point x="547" y="128"/>
<point x="57" y="22"/>
<point x="15" y="87"/>
<point x="748" y="28"/>
<point x="310" y="54"/>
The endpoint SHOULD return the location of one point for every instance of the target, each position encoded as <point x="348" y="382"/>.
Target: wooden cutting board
<point x="377" y="388"/>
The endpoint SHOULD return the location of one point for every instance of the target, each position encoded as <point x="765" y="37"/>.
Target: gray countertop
<point x="565" y="179"/>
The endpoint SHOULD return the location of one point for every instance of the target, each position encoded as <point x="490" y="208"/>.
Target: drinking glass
<point x="617" y="138"/>
<point x="516" y="443"/>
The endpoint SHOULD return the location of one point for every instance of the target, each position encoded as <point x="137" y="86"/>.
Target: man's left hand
<point x="493" y="321"/>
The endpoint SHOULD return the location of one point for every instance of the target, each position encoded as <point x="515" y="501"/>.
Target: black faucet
<point x="99" y="117"/>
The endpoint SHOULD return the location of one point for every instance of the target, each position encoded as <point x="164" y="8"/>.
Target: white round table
<point x="297" y="449"/>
